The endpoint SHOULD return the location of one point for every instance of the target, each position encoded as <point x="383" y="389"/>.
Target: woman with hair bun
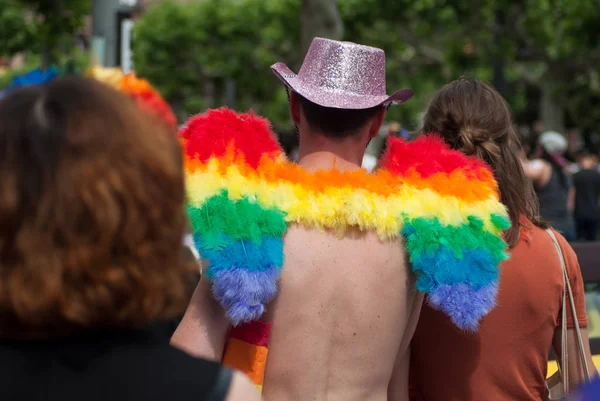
<point x="507" y="358"/>
<point x="91" y="222"/>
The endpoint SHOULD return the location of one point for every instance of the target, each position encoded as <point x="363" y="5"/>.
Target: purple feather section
<point x="465" y="305"/>
<point x="243" y="293"/>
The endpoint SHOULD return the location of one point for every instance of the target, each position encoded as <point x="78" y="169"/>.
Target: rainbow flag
<point x="247" y="350"/>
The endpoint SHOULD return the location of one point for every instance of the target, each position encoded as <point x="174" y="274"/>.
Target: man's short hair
<point x="336" y="123"/>
<point x="585" y="154"/>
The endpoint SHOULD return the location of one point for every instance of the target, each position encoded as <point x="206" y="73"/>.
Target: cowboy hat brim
<point x="334" y="98"/>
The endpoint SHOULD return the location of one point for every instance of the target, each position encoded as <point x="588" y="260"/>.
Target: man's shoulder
<point x="586" y="174"/>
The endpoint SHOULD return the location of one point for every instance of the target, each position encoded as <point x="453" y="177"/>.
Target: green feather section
<point x="240" y="219"/>
<point x="500" y="221"/>
<point x="432" y="235"/>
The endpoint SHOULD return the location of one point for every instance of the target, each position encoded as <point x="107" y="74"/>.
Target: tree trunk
<point x="498" y="60"/>
<point x="177" y="105"/>
<point x="320" y="18"/>
<point x="210" y="94"/>
<point x="552" y="108"/>
<point x="46" y="56"/>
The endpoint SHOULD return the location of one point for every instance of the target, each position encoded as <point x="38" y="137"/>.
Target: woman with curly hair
<point x="91" y="224"/>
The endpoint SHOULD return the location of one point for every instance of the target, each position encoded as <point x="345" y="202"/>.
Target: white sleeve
<point x="535" y="164"/>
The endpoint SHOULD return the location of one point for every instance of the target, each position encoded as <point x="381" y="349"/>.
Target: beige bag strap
<point x="564" y="342"/>
<point x="564" y="363"/>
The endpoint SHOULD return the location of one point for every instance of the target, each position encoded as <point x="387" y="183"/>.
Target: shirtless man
<point x="347" y="305"/>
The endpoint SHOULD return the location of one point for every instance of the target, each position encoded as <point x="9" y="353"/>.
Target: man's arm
<point x="242" y="389"/>
<point x="571" y="199"/>
<point x="537" y="171"/>
<point x="204" y="328"/>
<point x="398" y="388"/>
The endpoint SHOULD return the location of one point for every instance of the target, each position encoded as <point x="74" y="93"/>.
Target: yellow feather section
<point x="341" y="208"/>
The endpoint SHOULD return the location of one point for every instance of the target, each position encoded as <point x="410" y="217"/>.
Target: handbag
<point x="558" y="383"/>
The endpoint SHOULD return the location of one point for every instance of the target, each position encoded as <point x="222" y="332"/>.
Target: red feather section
<point x="147" y="97"/>
<point x="153" y="103"/>
<point x="427" y="155"/>
<point x="217" y="131"/>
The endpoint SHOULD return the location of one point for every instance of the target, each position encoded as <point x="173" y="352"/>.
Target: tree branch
<point x="422" y="48"/>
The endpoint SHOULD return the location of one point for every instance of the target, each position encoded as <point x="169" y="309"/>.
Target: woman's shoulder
<point x="119" y="370"/>
<point x="163" y="370"/>
<point x="157" y="358"/>
<point x="538" y="245"/>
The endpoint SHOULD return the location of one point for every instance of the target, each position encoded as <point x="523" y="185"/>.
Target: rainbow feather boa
<point x="243" y="193"/>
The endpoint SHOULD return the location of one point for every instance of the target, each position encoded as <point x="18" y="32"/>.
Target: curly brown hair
<point x="91" y="212"/>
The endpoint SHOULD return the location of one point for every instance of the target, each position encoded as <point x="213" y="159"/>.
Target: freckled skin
<point x="342" y="320"/>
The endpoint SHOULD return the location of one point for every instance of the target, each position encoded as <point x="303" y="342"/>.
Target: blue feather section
<point x="243" y="293"/>
<point x="244" y="274"/>
<point x="464" y="304"/>
<point x="253" y="256"/>
<point x="476" y="266"/>
<point x="34" y="77"/>
<point x="457" y="266"/>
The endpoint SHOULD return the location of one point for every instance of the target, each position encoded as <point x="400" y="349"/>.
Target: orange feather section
<point x="147" y="97"/>
<point x="457" y="183"/>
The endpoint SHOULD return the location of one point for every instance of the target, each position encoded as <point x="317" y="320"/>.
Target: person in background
<point x="507" y="358"/>
<point x="393" y="129"/>
<point x="91" y="222"/>
<point x="553" y="184"/>
<point x="586" y="183"/>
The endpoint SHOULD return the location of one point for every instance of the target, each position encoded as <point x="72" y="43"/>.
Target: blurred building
<point x="110" y="30"/>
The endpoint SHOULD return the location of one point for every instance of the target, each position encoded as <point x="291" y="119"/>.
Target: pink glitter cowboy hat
<point x="341" y="75"/>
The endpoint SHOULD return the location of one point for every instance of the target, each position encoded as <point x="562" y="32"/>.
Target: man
<point x="586" y="183"/>
<point x="338" y="315"/>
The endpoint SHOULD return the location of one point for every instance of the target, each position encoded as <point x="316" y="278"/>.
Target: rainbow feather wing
<point x="239" y="237"/>
<point x="455" y="251"/>
<point x="242" y="194"/>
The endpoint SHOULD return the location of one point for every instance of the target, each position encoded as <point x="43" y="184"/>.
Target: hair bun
<point x="478" y="142"/>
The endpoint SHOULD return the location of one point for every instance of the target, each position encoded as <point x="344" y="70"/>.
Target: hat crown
<point x="344" y="67"/>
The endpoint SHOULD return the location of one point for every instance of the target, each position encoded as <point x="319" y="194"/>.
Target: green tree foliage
<point x="189" y="52"/>
<point x="15" y="32"/>
<point x="320" y="18"/>
<point x="55" y="23"/>
<point x="549" y="51"/>
<point x="557" y="44"/>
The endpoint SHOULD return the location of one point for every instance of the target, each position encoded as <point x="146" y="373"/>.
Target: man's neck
<point x="320" y="153"/>
<point x="324" y="160"/>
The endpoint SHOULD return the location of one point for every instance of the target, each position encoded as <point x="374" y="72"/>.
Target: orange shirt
<point x="507" y="358"/>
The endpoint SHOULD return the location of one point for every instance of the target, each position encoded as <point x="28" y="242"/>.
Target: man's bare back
<point x="343" y="319"/>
